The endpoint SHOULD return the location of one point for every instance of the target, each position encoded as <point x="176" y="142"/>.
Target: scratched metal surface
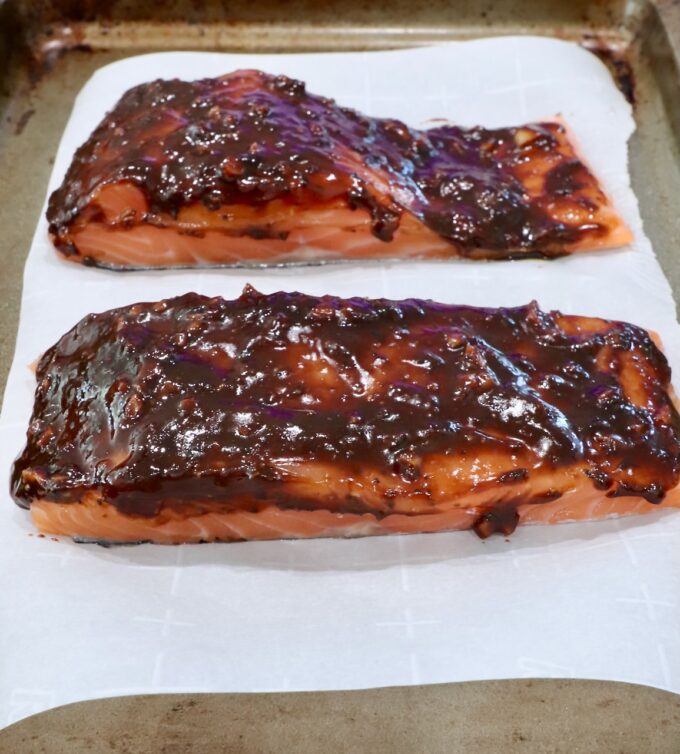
<point x="47" y="52"/>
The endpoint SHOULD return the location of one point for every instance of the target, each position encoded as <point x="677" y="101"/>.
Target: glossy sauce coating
<point x="250" y="138"/>
<point x="201" y="399"/>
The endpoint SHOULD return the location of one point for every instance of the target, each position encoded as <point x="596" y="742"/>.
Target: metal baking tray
<point x="48" y="49"/>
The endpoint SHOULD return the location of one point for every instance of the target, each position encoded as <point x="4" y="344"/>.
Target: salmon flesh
<point x="251" y="169"/>
<point x="198" y="419"/>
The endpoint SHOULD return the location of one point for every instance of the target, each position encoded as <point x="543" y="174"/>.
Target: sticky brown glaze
<point x="214" y="156"/>
<point x="198" y="404"/>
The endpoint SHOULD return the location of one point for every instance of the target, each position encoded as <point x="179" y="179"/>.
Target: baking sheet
<point x="580" y="600"/>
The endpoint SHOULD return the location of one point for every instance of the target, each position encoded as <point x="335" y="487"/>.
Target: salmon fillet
<point x="251" y="169"/>
<point x="197" y="419"/>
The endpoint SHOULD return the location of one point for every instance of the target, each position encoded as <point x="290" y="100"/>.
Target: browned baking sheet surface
<point x="494" y="717"/>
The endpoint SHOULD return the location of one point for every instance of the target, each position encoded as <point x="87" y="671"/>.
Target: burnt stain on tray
<point x="617" y="58"/>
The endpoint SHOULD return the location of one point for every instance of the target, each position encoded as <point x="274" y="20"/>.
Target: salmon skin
<point x="251" y="169"/>
<point x="285" y="415"/>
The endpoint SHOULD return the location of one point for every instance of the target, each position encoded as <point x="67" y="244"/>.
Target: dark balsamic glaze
<point x="502" y="519"/>
<point x="202" y="399"/>
<point x="250" y="137"/>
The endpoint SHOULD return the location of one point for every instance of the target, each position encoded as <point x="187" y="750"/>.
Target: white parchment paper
<point x="596" y="600"/>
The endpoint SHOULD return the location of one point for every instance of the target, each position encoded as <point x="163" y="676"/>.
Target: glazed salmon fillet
<point x="251" y="169"/>
<point x="198" y="419"/>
